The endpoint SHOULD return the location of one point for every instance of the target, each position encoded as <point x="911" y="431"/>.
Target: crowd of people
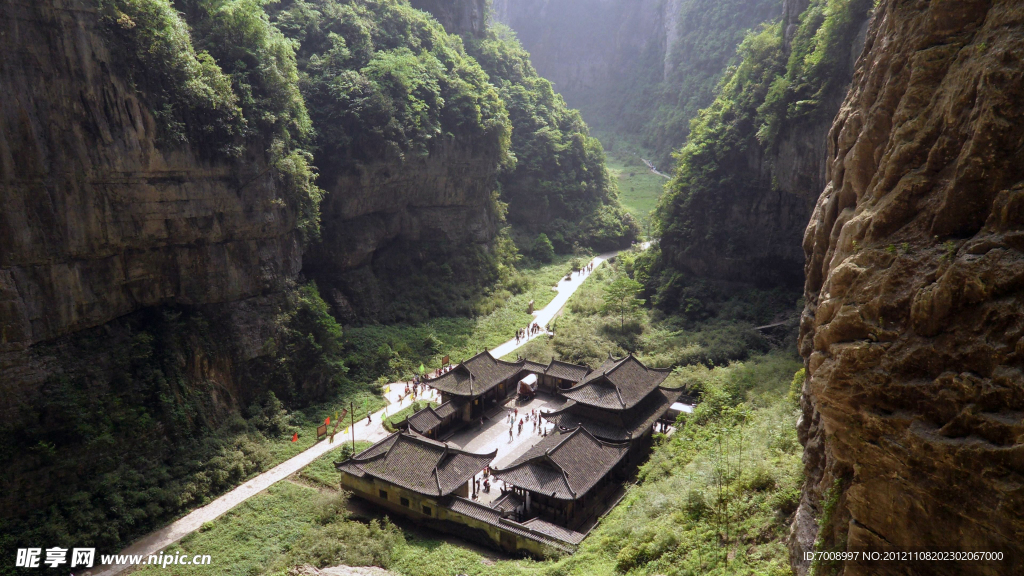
<point x="533" y="417"/>
<point x="443" y="370"/>
<point x="417" y="388"/>
<point x="526" y="333"/>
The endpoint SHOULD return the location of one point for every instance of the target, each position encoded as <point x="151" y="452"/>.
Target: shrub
<point x="385" y="82"/>
<point x="543" y="250"/>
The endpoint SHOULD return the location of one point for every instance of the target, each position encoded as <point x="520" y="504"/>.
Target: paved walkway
<point x="164" y="537"/>
<point x="655" y="170"/>
<point x="372" y="432"/>
<point x="545" y="315"/>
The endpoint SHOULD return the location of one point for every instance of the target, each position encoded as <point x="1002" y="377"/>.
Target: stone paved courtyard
<point x="494" y="436"/>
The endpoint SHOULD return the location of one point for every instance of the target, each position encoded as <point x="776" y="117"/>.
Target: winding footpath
<point x="364" y="431"/>
<point x="655" y="170"/>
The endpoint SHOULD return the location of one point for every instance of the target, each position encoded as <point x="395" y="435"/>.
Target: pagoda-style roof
<point x="416" y="463"/>
<point x="566" y="371"/>
<point x="476" y="375"/>
<point x="535" y="367"/>
<point x="429" y="417"/>
<point x="619" y="384"/>
<point x="564" y="466"/>
<point x="558" y="369"/>
<point x="619" y="425"/>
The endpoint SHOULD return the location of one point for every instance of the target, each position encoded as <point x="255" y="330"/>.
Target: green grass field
<point x="639" y="188"/>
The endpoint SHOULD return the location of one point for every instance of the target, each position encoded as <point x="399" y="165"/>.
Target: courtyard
<point x="494" y="435"/>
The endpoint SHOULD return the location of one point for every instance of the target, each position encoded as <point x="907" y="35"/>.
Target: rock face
<point x="97" y="219"/>
<point x="644" y="67"/>
<point x="584" y="46"/>
<point x="457" y="16"/>
<point x="445" y="197"/>
<point x="772" y="183"/>
<point x="913" y="334"/>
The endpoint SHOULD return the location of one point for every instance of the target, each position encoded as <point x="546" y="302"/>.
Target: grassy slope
<point x="321" y="472"/>
<point x="639" y="188"/>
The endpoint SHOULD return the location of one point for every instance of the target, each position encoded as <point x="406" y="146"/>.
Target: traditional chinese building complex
<point x="554" y="489"/>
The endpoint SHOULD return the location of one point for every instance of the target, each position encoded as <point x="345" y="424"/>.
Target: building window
<point x="426" y="510"/>
<point x="405" y="501"/>
<point x="384" y="494"/>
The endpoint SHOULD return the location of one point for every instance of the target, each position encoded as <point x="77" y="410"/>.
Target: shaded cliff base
<point x="415" y="280"/>
<point x="129" y="424"/>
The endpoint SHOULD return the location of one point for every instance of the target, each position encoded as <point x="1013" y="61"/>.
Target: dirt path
<point x="655" y="170"/>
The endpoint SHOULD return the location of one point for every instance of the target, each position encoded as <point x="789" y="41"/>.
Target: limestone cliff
<point x="643" y="67"/>
<point x="754" y="160"/>
<point x="913" y="335"/>
<point x="462" y="17"/>
<point x="98" y="220"/>
<point x="410" y="138"/>
<point x="586" y="46"/>
<point x="377" y="215"/>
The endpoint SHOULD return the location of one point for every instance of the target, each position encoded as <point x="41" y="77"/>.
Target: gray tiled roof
<point x="429" y="417"/>
<point x="425" y="419"/>
<point x="617" y="384"/>
<point x="534" y="367"/>
<point x="619" y="425"/>
<point x="566" y="371"/>
<point x="448" y="408"/>
<point x="476" y="375"/>
<point x="416" y="463"/>
<point x="565" y="466"/>
<point x="510" y="502"/>
<point x="554" y="530"/>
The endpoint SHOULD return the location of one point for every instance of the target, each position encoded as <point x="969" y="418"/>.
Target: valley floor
<point x="365" y="430"/>
<point x="714" y="498"/>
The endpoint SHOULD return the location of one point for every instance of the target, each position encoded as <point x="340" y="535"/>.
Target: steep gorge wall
<point x="642" y="67"/>
<point x="586" y="46"/>
<point x="913" y="334"/>
<point x="457" y="16"/>
<point x="99" y="220"/>
<point x="754" y="161"/>
<point x="375" y="212"/>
